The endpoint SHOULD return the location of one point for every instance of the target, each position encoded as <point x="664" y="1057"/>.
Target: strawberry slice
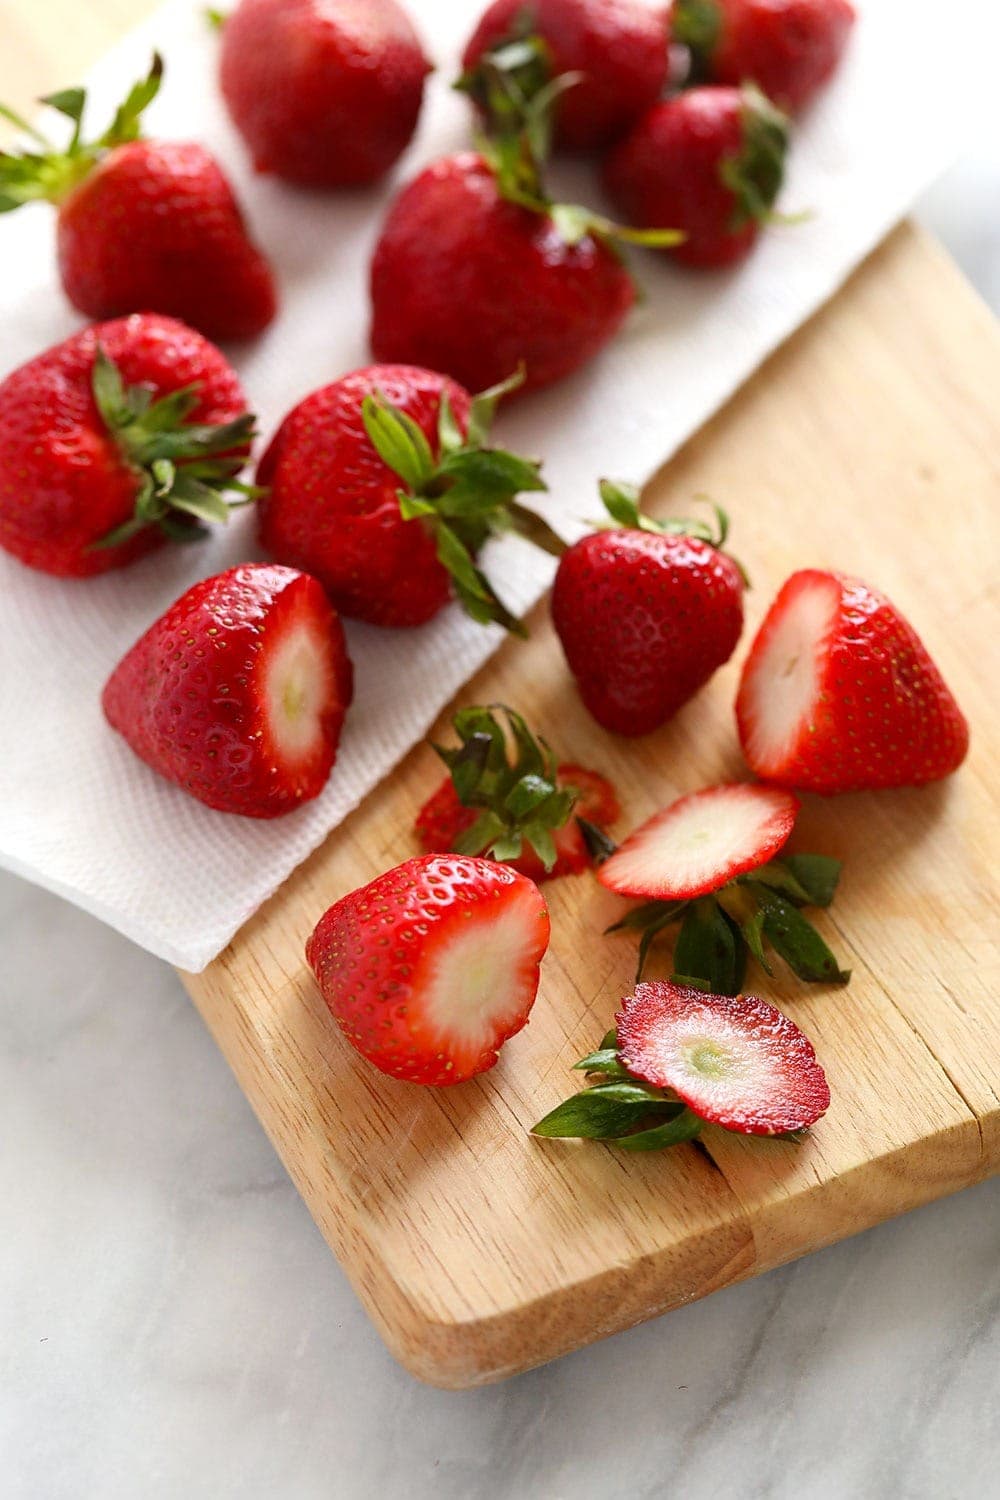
<point x="433" y="966"/>
<point x="839" y="693"/>
<point x="701" y="842"/>
<point x="733" y="1059"/>
<point x="239" y="691"/>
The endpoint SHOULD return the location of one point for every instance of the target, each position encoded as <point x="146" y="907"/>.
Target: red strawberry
<point x="239" y="691"/>
<point x="324" y="92"/>
<point x="433" y="966"/>
<point x="839" y="694"/>
<point x="97" y="438"/>
<point x="523" y="809"/>
<point x="145" y="224"/>
<point x="701" y="842"/>
<point x="789" y="48"/>
<point x="382" y="487"/>
<point x="645" y="613"/>
<point x="733" y="1059"/>
<point x="618" y="49"/>
<point x="710" y="162"/>
<point x="469" y="280"/>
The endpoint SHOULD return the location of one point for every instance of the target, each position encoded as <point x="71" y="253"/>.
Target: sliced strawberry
<point x="839" y="693"/>
<point x="433" y="966"/>
<point x="733" y="1059"/>
<point x="238" y="692"/>
<point x="700" y="842"/>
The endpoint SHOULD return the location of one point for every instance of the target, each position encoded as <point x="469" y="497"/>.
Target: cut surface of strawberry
<point x="429" y="969"/>
<point x="702" y="841"/>
<point x="733" y="1059"/>
<point x="839" y="693"/>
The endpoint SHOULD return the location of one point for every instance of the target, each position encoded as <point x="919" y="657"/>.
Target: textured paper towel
<point x="79" y="813"/>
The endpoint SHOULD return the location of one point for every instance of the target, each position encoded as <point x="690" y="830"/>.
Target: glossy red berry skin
<point x="332" y="504"/>
<point x="789" y="48"/>
<point x="618" y="46"/>
<point x="155" y="227"/>
<point x="667" y="174"/>
<point x="466" y="282"/>
<point x="64" y="483"/>
<point x="326" y="93"/>
<point x="191" y="695"/>
<point x="644" y="621"/>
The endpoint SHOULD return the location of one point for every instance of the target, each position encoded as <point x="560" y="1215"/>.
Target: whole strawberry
<point x="710" y="162"/>
<point x="383" y="487"/>
<point x="789" y="48"/>
<point x="506" y="796"/>
<point x="839" y="693"/>
<point x="144" y="225"/>
<point x="126" y="435"/>
<point x="646" y="612"/>
<point x="433" y="966"/>
<point x="324" y="92"/>
<point x="614" y="50"/>
<point x="238" y="692"/>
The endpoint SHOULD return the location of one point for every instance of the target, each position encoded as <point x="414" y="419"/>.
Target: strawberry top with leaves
<point x="143" y="225"/>
<point x="613" y="53"/>
<point x="382" y="485"/>
<point x="509" y="798"/>
<point x="127" y="434"/>
<point x="789" y="48"/>
<point x="646" y="611"/>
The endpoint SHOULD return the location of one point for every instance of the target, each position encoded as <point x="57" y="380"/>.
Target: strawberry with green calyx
<point x="681" y="1057"/>
<point x="646" y="612"/>
<point x="709" y="863"/>
<point x="143" y="225"/>
<point x="125" y="435"/>
<point x="383" y="487"/>
<point x="508" y="798"/>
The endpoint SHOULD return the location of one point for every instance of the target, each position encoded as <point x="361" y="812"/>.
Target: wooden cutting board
<point x="869" y="443"/>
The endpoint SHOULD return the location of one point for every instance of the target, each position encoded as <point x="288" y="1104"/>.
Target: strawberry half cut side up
<point x="680" y="1058"/>
<point x="507" y="797"/>
<point x="708" y="863"/>
<point x="431" y="967"/>
<point x="184" y="470"/>
<point x="839" y="694"/>
<point x="239" y="691"/>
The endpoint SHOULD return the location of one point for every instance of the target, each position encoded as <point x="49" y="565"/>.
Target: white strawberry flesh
<point x="733" y="1059"/>
<point x="702" y="841"/>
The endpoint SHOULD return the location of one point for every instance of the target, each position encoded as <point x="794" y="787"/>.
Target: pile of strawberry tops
<point x="376" y="494"/>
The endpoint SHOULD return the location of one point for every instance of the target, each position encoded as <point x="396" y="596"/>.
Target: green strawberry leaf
<point x="817" y="874"/>
<point x="797" y="941"/>
<point x="684" y="1126"/>
<point x="398" y="441"/>
<point x="709" y="948"/>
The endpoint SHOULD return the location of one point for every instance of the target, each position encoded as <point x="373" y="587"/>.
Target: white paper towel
<point x="79" y="813"/>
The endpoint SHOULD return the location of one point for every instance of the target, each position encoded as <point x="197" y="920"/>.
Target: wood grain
<point x="869" y="443"/>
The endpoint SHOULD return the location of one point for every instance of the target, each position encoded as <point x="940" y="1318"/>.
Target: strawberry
<point x="683" y="1056"/>
<point x="789" y="48"/>
<point x="144" y="225"/>
<point x="125" y="435"/>
<point x="433" y="966"/>
<point x="710" y="162"/>
<point x="839" y="694"/>
<point x="615" y="52"/>
<point x="700" y="842"/>
<point x="382" y="486"/>
<point x="646" y="612"/>
<point x="477" y="273"/>
<point x="524" y="811"/>
<point x="324" y="92"/>
<point x="238" y="692"/>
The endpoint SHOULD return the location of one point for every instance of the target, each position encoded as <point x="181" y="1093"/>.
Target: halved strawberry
<point x="839" y="693"/>
<point x="433" y="966"/>
<point x="700" y="842"/>
<point x="733" y="1059"/>
<point x="238" y="692"/>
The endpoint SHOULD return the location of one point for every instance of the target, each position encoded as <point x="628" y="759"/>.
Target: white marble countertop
<point x="172" y="1326"/>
